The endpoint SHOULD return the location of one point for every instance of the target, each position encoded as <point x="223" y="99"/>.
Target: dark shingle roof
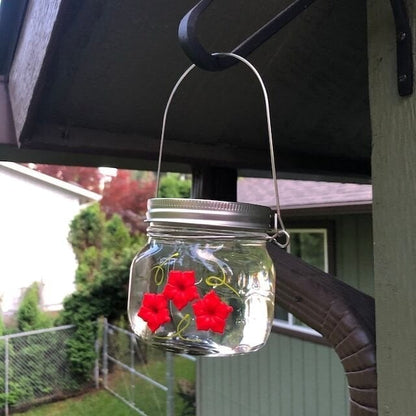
<point x="303" y="194"/>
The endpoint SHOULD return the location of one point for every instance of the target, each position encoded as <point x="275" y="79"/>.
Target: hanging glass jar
<point x="204" y="283"/>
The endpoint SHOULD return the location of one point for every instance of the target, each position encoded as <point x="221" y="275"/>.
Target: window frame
<point x="314" y="230"/>
<point x="289" y="327"/>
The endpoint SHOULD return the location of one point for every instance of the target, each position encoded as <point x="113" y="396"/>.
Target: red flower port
<point x="180" y="288"/>
<point x="154" y="310"/>
<point x="211" y="313"/>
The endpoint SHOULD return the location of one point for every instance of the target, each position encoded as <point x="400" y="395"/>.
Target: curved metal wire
<point x="279" y="233"/>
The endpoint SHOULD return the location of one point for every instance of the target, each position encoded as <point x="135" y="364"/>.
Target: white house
<point x="35" y="213"/>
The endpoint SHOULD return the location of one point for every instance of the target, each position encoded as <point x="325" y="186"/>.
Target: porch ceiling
<point x="110" y="65"/>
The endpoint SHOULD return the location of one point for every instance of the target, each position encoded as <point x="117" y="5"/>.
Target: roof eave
<point x="354" y="207"/>
<point x="85" y="194"/>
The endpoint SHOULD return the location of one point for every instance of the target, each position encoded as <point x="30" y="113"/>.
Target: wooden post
<point x="105" y="353"/>
<point x="393" y="121"/>
<point x="214" y="183"/>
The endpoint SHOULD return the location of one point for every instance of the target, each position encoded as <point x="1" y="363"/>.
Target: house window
<point x="311" y="245"/>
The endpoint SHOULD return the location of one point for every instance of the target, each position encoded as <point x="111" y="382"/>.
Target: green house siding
<point x="354" y="251"/>
<point x="288" y="377"/>
<point x="291" y="377"/>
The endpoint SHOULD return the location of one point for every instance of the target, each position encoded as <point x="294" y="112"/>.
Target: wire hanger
<point x="211" y="62"/>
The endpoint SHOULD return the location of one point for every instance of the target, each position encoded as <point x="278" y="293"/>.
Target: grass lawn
<point x="143" y="394"/>
<point x="146" y="396"/>
<point x="97" y="403"/>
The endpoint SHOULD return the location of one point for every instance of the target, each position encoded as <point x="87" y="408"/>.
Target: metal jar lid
<point x="208" y="213"/>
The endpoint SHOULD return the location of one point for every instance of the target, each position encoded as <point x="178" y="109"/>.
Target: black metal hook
<point x="205" y="60"/>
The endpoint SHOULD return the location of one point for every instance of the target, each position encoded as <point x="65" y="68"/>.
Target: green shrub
<point x="102" y="282"/>
<point x="2" y="326"/>
<point x="116" y="236"/>
<point x="87" y="269"/>
<point x="36" y="379"/>
<point x="29" y="315"/>
<point x="187" y="392"/>
<point x="28" y="374"/>
<point x="86" y="230"/>
<point x="174" y="185"/>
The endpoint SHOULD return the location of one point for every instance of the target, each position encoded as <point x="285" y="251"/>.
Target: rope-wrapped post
<point x="343" y="315"/>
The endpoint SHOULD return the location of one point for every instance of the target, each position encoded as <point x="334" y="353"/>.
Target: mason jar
<point x="204" y="283"/>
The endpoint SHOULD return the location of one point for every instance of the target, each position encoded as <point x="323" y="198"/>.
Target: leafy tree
<point x="175" y="185"/>
<point x="88" y="178"/>
<point x="143" y="175"/>
<point x="128" y="198"/>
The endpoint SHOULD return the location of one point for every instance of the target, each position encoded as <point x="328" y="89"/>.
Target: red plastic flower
<point x="211" y="313"/>
<point x="181" y="288"/>
<point x="154" y="310"/>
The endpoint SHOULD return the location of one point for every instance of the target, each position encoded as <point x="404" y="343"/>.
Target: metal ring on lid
<point x="209" y="213"/>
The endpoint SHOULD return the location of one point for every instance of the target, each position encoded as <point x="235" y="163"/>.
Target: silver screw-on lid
<point x="208" y="213"/>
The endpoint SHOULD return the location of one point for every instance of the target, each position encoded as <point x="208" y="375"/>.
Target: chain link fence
<point x="149" y="381"/>
<point x="34" y="368"/>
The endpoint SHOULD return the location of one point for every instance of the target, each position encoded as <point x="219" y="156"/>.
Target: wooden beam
<point x="14" y="154"/>
<point x="342" y="314"/>
<point x="12" y="13"/>
<point x="88" y="141"/>
<point x="393" y="123"/>
<point x="25" y="79"/>
<point x="7" y="134"/>
<point x="82" y="140"/>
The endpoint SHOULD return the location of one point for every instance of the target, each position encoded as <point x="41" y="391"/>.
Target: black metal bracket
<point x="206" y="60"/>
<point x="404" y="48"/>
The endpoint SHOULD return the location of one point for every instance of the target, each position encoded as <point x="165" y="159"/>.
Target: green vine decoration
<point x="215" y="281"/>
<point x="183" y="325"/>
<point x="159" y="275"/>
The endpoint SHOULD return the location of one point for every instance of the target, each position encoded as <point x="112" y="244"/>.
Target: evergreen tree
<point x="86" y="230"/>
<point x="29" y="314"/>
<point x="102" y="281"/>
